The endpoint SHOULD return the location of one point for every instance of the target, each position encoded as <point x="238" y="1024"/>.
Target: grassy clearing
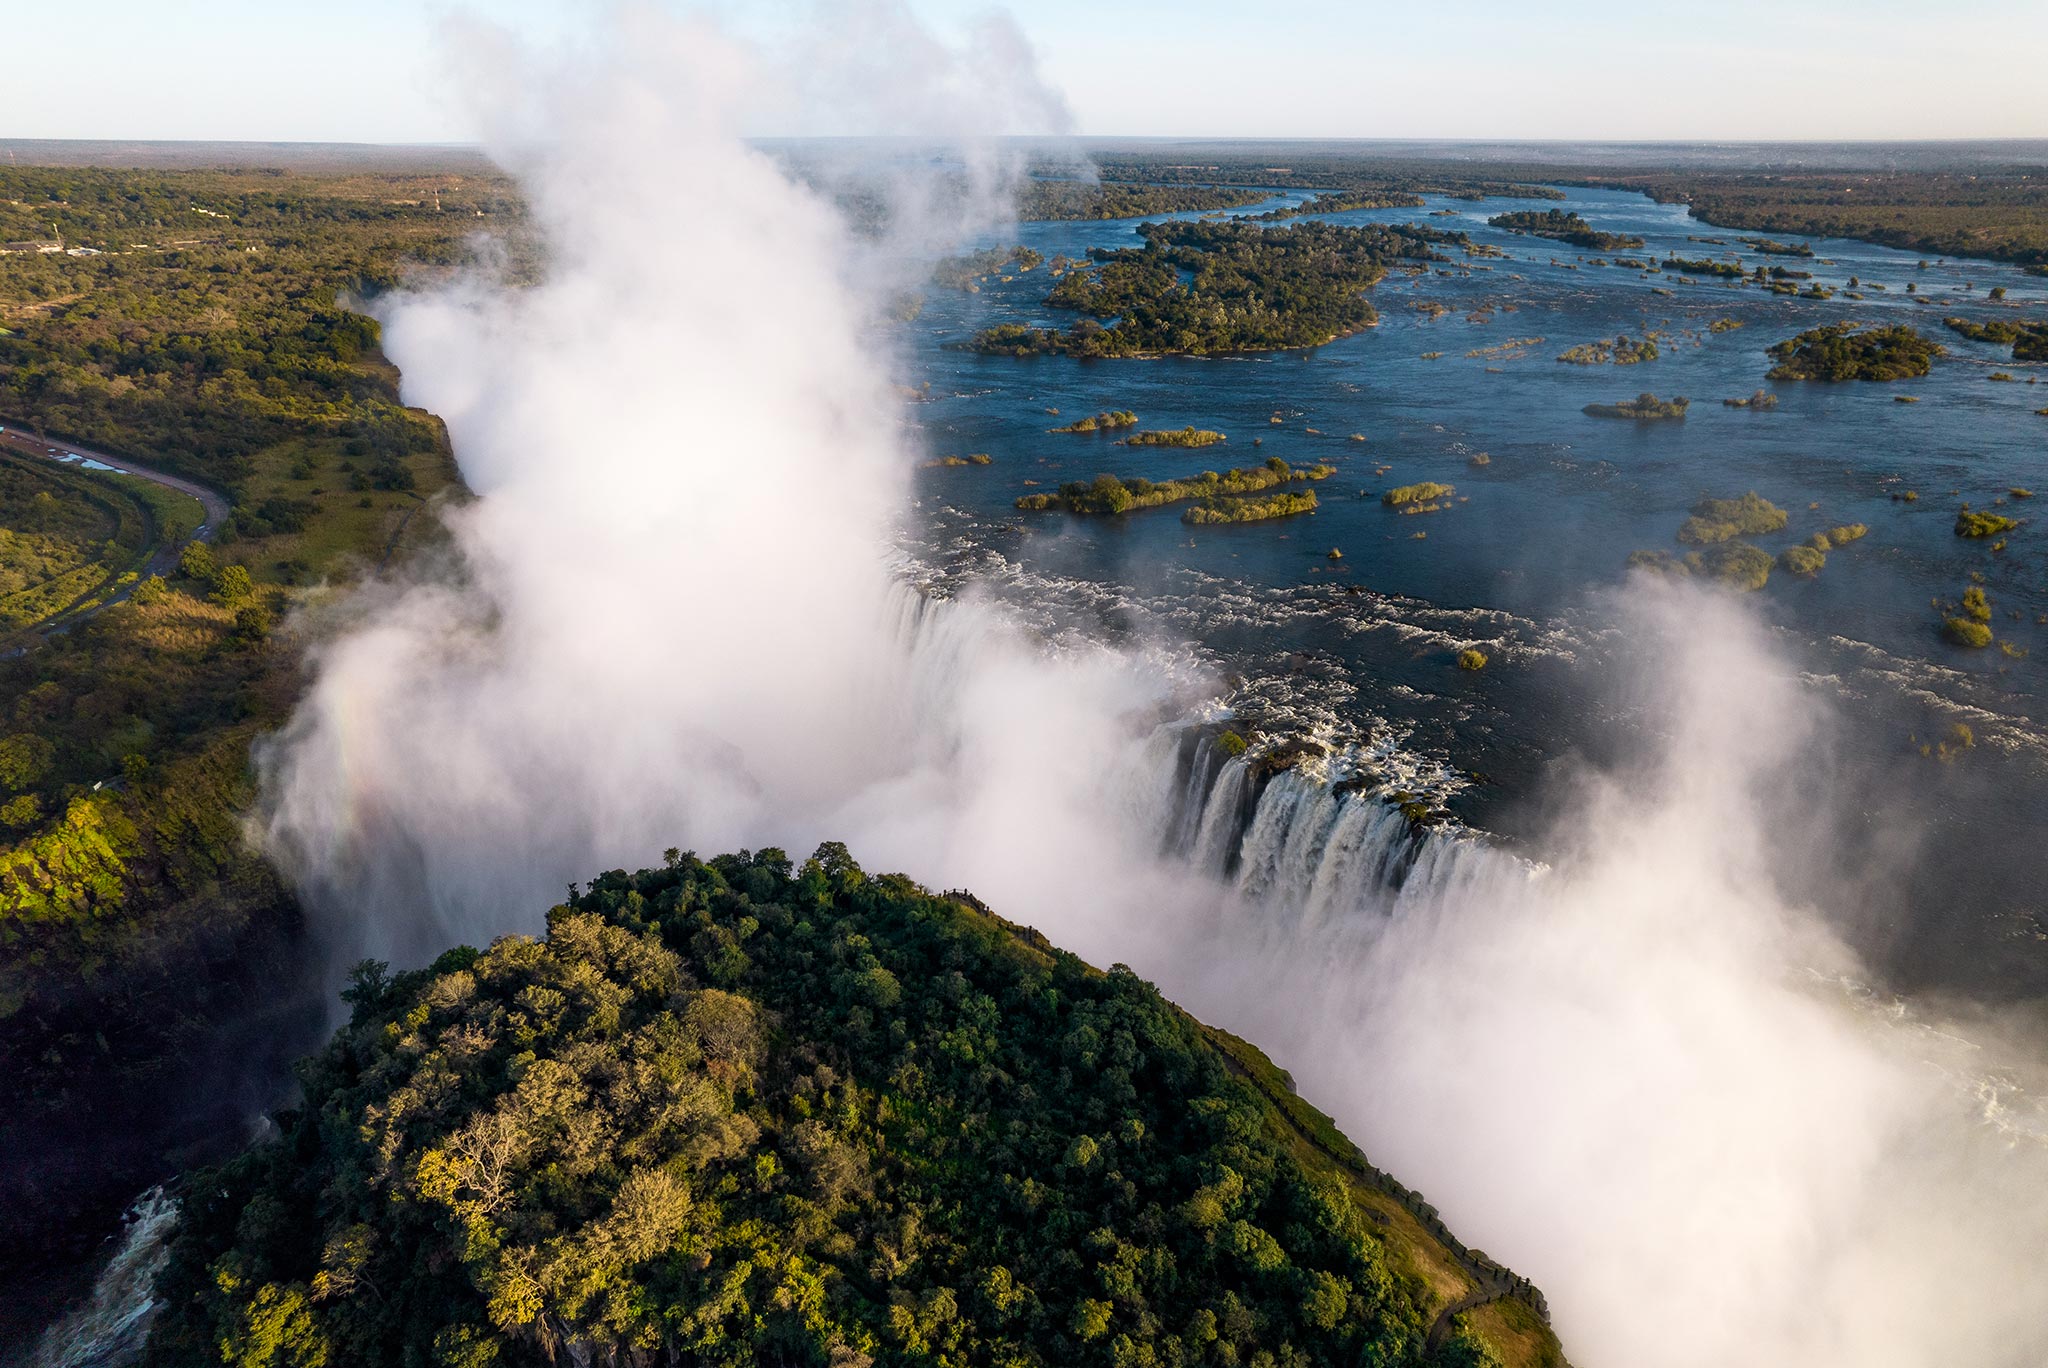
<point x="67" y="538"/>
<point x="352" y="507"/>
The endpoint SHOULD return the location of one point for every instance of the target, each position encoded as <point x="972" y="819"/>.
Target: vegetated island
<point x="1339" y="201"/>
<point x="1849" y="351"/>
<point x="1736" y="565"/>
<point x="1973" y="522"/>
<point x="1808" y="559"/>
<point x="1760" y="399"/>
<point x="1426" y="497"/>
<point x="1248" y="288"/>
<point x="1042" y="201"/>
<point x="1285" y="504"/>
<point x="1111" y="494"/>
<point x="2028" y="340"/>
<point x="1771" y="248"/>
<point x="1698" y="266"/>
<point x="1189" y="436"/>
<point x="966" y="271"/>
<point x="1561" y="225"/>
<point x="1108" y="421"/>
<point x="739" y="1112"/>
<point x="1720" y="520"/>
<point x="1645" y="407"/>
<point x="1622" y="351"/>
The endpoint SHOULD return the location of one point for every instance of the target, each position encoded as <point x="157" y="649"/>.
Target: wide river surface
<point x="1527" y="564"/>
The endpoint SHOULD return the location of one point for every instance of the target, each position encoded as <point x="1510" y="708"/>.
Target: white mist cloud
<point x="1638" y="1076"/>
<point x="679" y="622"/>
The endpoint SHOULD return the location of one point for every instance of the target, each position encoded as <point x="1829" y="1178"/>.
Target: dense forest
<point x="1248" y="288"/>
<point x="209" y="335"/>
<point x="1848" y="351"/>
<point x="734" y="1112"/>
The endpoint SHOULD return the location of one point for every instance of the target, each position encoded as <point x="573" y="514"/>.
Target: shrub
<point x="196" y="562"/>
<point x="1967" y="632"/>
<point x="1802" y="560"/>
<point x="1471" y="658"/>
<point x="1737" y="566"/>
<point x="232" y="586"/>
<point x="1720" y="520"/>
<point x="1427" y="492"/>
<point x="1972" y="523"/>
<point x="1643" y="408"/>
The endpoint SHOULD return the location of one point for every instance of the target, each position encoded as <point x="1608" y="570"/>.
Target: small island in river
<point x="1644" y="407"/>
<point x="1848" y="351"/>
<point x="1189" y="436"/>
<point x="2029" y="341"/>
<point x="1108" y="421"/>
<point x="1561" y="225"/>
<point x="1111" y="494"/>
<point x="1210" y="288"/>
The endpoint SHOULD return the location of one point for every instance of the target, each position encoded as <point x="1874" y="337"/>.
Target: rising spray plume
<point x="680" y="621"/>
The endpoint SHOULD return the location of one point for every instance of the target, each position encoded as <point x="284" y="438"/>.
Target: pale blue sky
<point x="1741" y="69"/>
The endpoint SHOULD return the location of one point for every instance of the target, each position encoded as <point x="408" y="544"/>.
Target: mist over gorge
<point x="680" y="612"/>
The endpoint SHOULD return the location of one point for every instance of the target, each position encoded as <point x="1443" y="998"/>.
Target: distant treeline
<point x="1320" y="171"/>
<point x="2002" y="215"/>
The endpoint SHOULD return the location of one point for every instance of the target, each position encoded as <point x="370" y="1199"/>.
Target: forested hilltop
<point x="203" y="328"/>
<point x="734" y="1112"/>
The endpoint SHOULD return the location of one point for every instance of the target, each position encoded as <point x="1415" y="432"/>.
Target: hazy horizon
<point x="238" y="70"/>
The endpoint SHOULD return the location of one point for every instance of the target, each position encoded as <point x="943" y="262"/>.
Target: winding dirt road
<point x="28" y="444"/>
<point x="162" y="560"/>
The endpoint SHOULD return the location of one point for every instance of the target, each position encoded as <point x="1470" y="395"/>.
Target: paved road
<point x="27" y="443"/>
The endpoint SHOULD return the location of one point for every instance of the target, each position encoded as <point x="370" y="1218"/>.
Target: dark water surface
<point x="1934" y="868"/>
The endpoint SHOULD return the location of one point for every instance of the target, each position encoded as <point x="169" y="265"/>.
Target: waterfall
<point x="1315" y="848"/>
<point x="1216" y="836"/>
<point x="110" y="1328"/>
<point x="1197" y="775"/>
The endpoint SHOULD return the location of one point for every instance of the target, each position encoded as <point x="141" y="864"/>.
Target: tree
<point x="25" y="760"/>
<point x="232" y="586"/>
<point x="196" y="562"/>
<point x="252" y="621"/>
